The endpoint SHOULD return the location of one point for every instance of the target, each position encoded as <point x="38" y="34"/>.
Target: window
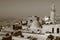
<point x="31" y="20"/>
<point x="52" y="30"/>
<point x="51" y="23"/>
<point x="57" y="30"/>
<point x="47" y="23"/>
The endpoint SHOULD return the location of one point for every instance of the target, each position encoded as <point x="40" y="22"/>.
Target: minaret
<point x="52" y="16"/>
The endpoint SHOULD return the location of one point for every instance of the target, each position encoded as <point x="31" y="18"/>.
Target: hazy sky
<point x="24" y="8"/>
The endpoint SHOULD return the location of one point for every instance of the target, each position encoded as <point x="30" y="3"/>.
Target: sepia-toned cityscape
<point x="32" y="27"/>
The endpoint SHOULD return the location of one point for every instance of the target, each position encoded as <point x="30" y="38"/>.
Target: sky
<point x="25" y="8"/>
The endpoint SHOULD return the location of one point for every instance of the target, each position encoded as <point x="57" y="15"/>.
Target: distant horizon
<point x="25" y="8"/>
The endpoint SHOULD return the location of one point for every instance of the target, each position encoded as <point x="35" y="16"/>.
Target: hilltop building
<point x="51" y="19"/>
<point x="50" y="25"/>
<point x="35" y="25"/>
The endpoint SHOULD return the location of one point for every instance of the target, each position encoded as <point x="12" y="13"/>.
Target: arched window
<point x="52" y="30"/>
<point x="47" y="23"/>
<point x="31" y="20"/>
<point x="51" y="23"/>
<point x="57" y="30"/>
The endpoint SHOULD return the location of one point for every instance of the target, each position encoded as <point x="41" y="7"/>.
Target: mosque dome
<point x="47" y="18"/>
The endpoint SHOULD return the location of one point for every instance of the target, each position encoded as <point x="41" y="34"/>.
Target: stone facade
<point x="54" y="28"/>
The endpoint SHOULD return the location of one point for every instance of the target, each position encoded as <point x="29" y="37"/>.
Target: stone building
<point x="35" y="25"/>
<point x="50" y="25"/>
<point x="53" y="28"/>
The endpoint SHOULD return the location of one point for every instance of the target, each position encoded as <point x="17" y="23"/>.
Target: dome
<point x="47" y="18"/>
